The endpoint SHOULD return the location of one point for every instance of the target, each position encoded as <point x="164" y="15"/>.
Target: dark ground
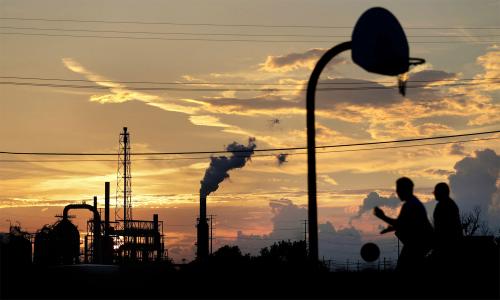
<point x="160" y="281"/>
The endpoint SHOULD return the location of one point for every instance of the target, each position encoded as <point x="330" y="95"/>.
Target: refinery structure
<point x="131" y="253"/>
<point x="124" y="239"/>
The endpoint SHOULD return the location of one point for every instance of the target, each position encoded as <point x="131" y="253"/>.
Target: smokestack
<point x="157" y="243"/>
<point x="106" y="208"/>
<point x="202" y="241"/>
<point x="96" y="243"/>
<point x="214" y="175"/>
<point x="155" y="222"/>
<point x="107" y="241"/>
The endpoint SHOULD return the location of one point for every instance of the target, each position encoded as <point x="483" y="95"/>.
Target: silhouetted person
<point x="447" y="228"/>
<point x="412" y="227"/>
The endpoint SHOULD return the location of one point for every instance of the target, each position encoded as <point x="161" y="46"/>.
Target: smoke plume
<point x="220" y="166"/>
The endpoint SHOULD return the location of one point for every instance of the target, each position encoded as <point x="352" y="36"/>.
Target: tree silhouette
<point x="229" y="257"/>
<point x="472" y="223"/>
<point x="285" y="251"/>
<point x="228" y="253"/>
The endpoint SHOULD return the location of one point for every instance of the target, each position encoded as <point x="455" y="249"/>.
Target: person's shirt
<point x="447" y="225"/>
<point x="412" y="225"/>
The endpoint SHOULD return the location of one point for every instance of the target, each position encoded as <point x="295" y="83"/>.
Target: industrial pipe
<point x="97" y="226"/>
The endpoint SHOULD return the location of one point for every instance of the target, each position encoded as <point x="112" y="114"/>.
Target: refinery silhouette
<point x="128" y="258"/>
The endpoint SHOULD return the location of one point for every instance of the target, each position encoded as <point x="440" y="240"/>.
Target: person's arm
<point x="381" y="215"/>
<point x="388" y="229"/>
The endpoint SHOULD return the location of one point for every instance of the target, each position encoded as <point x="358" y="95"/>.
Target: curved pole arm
<point x="311" y="146"/>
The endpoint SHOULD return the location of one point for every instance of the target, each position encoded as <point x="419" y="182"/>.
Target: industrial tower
<point x="124" y="179"/>
<point x="125" y="239"/>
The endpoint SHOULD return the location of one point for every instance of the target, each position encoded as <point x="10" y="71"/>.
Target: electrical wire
<point x="230" y="34"/>
<point x="239" y="83"/>
<point x="223" y="40"/>
<point x="97" y="87"/>
<point x="256" y="155"/>
<point x="227" y="25"/>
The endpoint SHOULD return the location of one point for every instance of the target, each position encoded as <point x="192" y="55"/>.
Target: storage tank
<point x="67" y="239"/>
<point x="57" y="244"/>
<point x="43" y="254"/>
<point x="15" y="249"/>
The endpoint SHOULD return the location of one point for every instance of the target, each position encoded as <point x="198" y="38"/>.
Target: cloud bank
<point x="475" y="183"/>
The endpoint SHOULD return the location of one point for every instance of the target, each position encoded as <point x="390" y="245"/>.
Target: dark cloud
<point x="294" y="61"/>
<point x="287" y="219"/>
<point x="334" y="92"/>
<point x="354" y="91"/>
<point x="339" y="244"/>
<point x="263" y="102"/>
<point x="439" y="172"/>
<point x="181" y="248"/>
<point x="430" y="75"/>
<point x="286" y="214"/>
<point x="288" y="224"/>
<point x="475" y="182"/>
<point x="457" y="149"/>
<point x="374" y="199"/>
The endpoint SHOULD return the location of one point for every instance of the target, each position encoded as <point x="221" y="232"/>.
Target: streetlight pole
<point x="311" y="146"/>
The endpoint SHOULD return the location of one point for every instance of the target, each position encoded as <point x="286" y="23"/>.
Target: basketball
<point x="370" y="252"/>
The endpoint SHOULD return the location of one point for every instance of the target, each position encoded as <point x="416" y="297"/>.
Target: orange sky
<point x="64" y="119"/>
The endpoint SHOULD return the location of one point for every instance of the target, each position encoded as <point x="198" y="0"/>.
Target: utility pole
<point x="304" y="222"/>
<point x="211" y="217"/>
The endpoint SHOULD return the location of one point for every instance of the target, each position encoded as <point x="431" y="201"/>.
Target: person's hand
<point x="378" y="212"/>
<point x="388" y="229"/>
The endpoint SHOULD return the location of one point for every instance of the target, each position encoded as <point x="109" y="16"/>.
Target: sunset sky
<point x="271" y="43"/>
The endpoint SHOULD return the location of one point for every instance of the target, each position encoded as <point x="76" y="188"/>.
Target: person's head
<point x="404" y="188"/>
<point x="441" y="191"/>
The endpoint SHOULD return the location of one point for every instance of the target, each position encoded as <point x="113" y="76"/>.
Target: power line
<point x="409" y="146"/>
<point x="162" y="38"/>
<point x="223" y="40"/>
<point x="259" y="150"/>
<point x="236" y="83"/>
<point x="224" y="25"/>
<point x="97" y="87"/>
<point x="228" y="34"/>
<point x="256" y="155"/>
